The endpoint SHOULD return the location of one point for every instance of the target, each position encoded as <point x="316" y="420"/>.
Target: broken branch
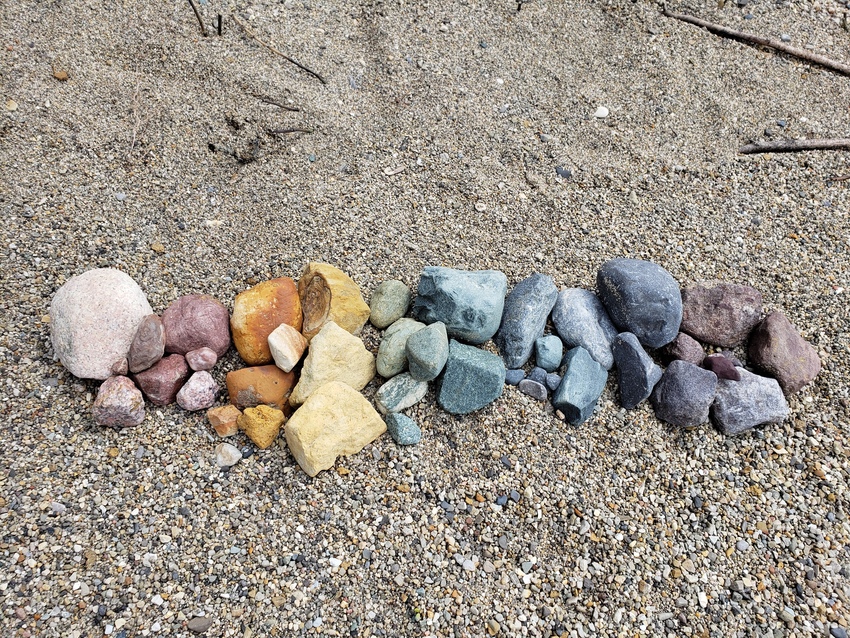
<point x="198" y="16"/>
<point x="286" y="131"/>
<point x="254" y="37"/>
<point x="794" y="146"/>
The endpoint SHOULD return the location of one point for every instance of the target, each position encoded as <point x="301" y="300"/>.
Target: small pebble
<point x="601" y="112"/>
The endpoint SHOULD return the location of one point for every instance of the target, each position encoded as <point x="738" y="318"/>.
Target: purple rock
<point x="118" y="404"/>
<point x="553" y="380"/>
<point x="777" y="348"/>
<point x="685" y="348"/>
<point x="538" y="375"/>
<point x="198" y="393"/>
<point x="202" y="359"/>
<point x="684" y="394"/>
<point x="731" y="356"/>
<point x="196" y="321"/>
<point x="533" y="389"/>
<point x="148" y="345"/>
<point x="748" y="402"/>
<point x="161" y="382"/>
<point x="638" y="373"/>
<point x="720" y="313"/>
<point x="722" y="367"/>
<point x="513" y="377"/>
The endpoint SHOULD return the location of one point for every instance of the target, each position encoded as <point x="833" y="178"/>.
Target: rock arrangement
<point x="306" y="366"/>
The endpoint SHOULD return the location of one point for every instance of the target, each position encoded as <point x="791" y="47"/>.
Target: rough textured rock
<point x="93" y="319"/>
<point x="202" y="359"/>
<point x="642" y="298"/>
<point x="119" y="404"/>
<point x="328" y="294"/>
<point x="638" y="374"/>
<point x="684" y="394"/>
<point x="334" y="355"/>
<point x="287" y="346"/>
<point x="513" y="377"/>
<point x="121" y="368"/>
<point x="258" y="311"/>
<point x="581" y="320"/>
<point x="752" y="400"/>
<point x="198" y="393"/>
<point x="148" y="344"/>
<point x="526" y="310"/>
<point x="583" y="381"/>
<point x="390" y="302"/>
<point x="777" y="348"/>
<point x="549" y="352"/>
<point x="685" y="348"/>
<point x="553" y="380"/>
<point x="400" y="393"/>
<point x="392" y="353"/>
<point x="720" y="313"/>
<point x="538" y="374"/>
<point x="335" y="420"/>
<point x="163" y="381"/>
<point x="470" y="303"/>
<point x="196" y="321"/>
<point x="533" y="389"/>
<point x="403" y="429"/>
<point x="721" y="366"/>
<point x="426" y="351"/>
<point x="472" y="379"/>
<point x="260" y="385"/>
<point x="261" y="424"/>
<point x="227" y="455"/>
<point x="224" y="419"/>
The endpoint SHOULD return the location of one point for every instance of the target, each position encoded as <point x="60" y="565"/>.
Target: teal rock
<point x="583" y="382"/>
<point x="549" y="351"/>
<point x="403" y="429"/>
<point x="399" y="393"/>
<point x="392" y="356"/>
<point x="427" y="351"/>
<point x="390" y="302"/>
<point x="472" y="379"/>
<point x="524" y="318"/>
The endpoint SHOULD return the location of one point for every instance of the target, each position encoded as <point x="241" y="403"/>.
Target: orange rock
<point x="223" y="419"/>
<point x="258" y="311"/>
<point x="260" y="385"/>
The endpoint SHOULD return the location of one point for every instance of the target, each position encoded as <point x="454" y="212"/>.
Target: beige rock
<point x="287" y="346"/>
<point x="224" y="419"/>
<point x="328" y="294"/>
<point x="334" y="355"/>
<point x="261" y="424"/>
<point x="335" y="420"/>
<point x="258" y="311"/>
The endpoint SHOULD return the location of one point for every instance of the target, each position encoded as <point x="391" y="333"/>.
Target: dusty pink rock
<point x="778" y="348"/>
<point x="196" y="321"/>
<point x="198" y="393"/>
<point x="202" y="359"/>
<point x="721" y="366"/>
<point x="684" y="348"/>
<point x="161" y="382"/>
<point x="720" y="313"/>
<point x="148" y="345"/>
<point x="119" y="404"/>
<point x="121" y="367"/>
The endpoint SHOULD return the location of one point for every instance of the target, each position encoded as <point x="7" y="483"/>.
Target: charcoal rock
<point x="524" y="318"/>
<point x="684" y="394"/>
<point x="638" y="374"/>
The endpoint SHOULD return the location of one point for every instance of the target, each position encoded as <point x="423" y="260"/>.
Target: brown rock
<point x="720" y="313"/>
<point x="118" y="404"/>
<point x="202" y="359"/>
<point x="262" y="424"/>
<point x="777" y="348"/>
<point x="328" y="294"/>
<point x="224" y="419"/>
<point x="260" y="385"/>
<point x="163" y="381"/>
<point x="684" y="348"/>
<point x="148" y="345"/>
<point x="195" y="321"/>
<point x="258" y="311"/>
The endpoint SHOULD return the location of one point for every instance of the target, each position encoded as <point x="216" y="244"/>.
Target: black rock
<point x="638" y="374"/>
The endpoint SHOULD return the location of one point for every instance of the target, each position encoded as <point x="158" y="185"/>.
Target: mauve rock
<point x="427" y="351"/>
<point x="196" y="321"/>
<point x="684" y="394"/>
<point x="720" y="313"/>
<point x="583" y="382"/>
<point x="258" y="311"/>
<point x="581" y="320"/>
<point x="777" y="348"/>
<point x="148" y="344"/>
<point x="752" y="400"/>
<point x="638" y="373"/>
<point x="119" y="404"/>
<point x="202" y="359"/>
<point x="390" y="302"/>
<point x="198" y="393"/>
<point x="685" y="348"/>
<point x="260" y="385"/>
<point x="161" y="382"/>
<point x="392" y="353"/>
<point x="524" y="318"/>
<point x="533" y="389"/>
<point x="472" y="379"/>
<point x="224" y="419"/>
<point x="93" y="319"/>
<point x="121" y="368"/>
<point x="722" y="367"/>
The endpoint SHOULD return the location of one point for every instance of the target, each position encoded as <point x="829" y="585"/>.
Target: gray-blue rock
<point x="472" y="379"/>
<point x="684" y="394"/>
<point x="470" y="303"/>
<point x="513" y="377"/>
<point x="752" y="400"/>
<point x="524" y="318"/>
<point x="392" y="353"/>
<point x="403" y="429"/>
<point x="427" y="351"/>
<point x="533" y="389"/>
<point x="581" y="320"/>
<point x="583" y="382"/>
<point x="638" y="373"/>
<point x="549" y="351"/>
<point x="642" y="298"/>
<point x="389" y="303"/>
<point x="399" y="393"/>
<point x="553" y="380"/>
<point x="538" y="374"/>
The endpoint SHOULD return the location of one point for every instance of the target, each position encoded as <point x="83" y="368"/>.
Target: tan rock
<point x="258" y="311"/>
<point x="260" y="385"/>
<point x="334" y="355"/>
<point x="261" y="424"/>
<point x="335" y="420"/>
<point x="224" y="419"/>
<point x="287" y="346"/>
<point x="328" y="294"/>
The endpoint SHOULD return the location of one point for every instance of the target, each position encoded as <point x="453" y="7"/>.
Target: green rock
<point x="389" y="303"/>
<point x="472" y="379"/>
<point x="403" y="429"/>
<point x="583" y="382"/>
<point x="427" y="351"/>
<point x="399" y="393"/>
<point x="392" y="357"/>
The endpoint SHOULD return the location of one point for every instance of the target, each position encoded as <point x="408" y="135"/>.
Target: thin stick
<point x="253" y="36"/>
<point x="286" y="131"/>
<point x="198" y="16"/>
<point x="843" y="178"/>
<point x="267" y="100"/>
<point x="795" y="146"/>
<point x="726" y="32"/>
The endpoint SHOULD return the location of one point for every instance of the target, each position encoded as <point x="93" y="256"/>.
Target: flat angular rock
<point x="224" y="419"/>
<point x="581" y="320"/>
<point x="685" y="348"/>
<point x="260" y="385"/>
<point x="202" y="359"/>
<point x="390" y="302"/>
<point x="163" y="381"/>
<point x="721" y="366"/>
<point x="119" y="404"/>
<point x="720" y="313"/>
<point x="257" y="312"/>
<point x="328" y="294"/>
<point x="524" y="318"/>
<point x="148" y="344"/>
<point x="262" y="424"/>
<point x="752" y="400"/>
<point x="198" y="393"/>
<point x="403" y="429"/>
<point x="684" y="394"/>
<point x="638" y="373"/>
<point x="287" y="346"/>
<point x="400" y="393"/>
<point x="582" y="384"/>
<point x="392" y="353"/>
<point x="549" y="351"/>
<point x="777" y="348"/>
<point x="472" y="379"/>
<point x="196" y="321"/>
<point x="427" y="351"/>
<point x="470" y="303"/>
<point x="513" y="377"/>
<point x="642" y="298"/>
<point x="533" y="389"/>
<point x="335" y="420"/>
<point x="227" y="455"/>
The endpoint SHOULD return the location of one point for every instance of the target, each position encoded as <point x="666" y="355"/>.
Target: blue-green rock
<point x="389" y="303"/>
<point x="392" y="353"/>
<point x="427" y="351"/>
<point x="403" y="429"/>
<point x="524" y="318"/>
<point x="473" y="378"/>
<point x="549" y="352"/>
<point x="583" y="382"/>
<point x="399" y="393"/>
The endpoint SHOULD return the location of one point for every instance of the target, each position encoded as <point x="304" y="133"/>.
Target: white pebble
<point x="601" y="112"/>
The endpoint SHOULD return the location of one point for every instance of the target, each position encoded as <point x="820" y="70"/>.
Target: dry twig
<point x="841" y="178"/>
<point x="198" y="16"/>
<point x="286" y="131"/>
<point x="254" y="37"/>
<point x="795" y="146"/>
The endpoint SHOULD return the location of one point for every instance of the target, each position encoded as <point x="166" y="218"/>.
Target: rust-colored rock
<point x="258" y="311"/>
<point x="328" y="294"/>
<point x="148" y="345"/>
<point x="224" y="419"/>
<point x="161" y="383"/>
<point x="259" y="385"/>
<point x="195" y="321"/>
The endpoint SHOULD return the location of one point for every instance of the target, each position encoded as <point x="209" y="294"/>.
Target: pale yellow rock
<point x="328" y="294"/>
<point x="287" y="346"/>
<point x="262" y="424"/>
<point x="334" y="355"/>
<point x="335" y="420"/>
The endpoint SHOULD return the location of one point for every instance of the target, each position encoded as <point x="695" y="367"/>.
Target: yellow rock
<point x="261" y="424"/>
<point x="328" y="294"/>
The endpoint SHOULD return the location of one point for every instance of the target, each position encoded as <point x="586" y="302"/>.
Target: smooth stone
<point x="202" y="359"/>
<point x="227" y="455"/>
<point x="538" y="375"/>
<point x="258" y="311"/>
<point x="638" y="373"/>
<point x="196" y="321"/>
<point x="513" y="377"/>
<point x="400" y="393"/>
<point x="427" y="351"/>
<point x="472" y="379"/>
<point x="119" y="404"/>
<point x="549" y="351"/>
<point x="752" y="400"/>
<point x="721" y="366"/>
<point x="261" y="424"/>
<point x="581" y="320"/>
<point x="776" y="347"/>
<point x="553" y="380"/>
<point x="161" y="383"/>
<point x="148" y="344"/>
<point x="392" y="353"/>
<point x="287" y="346"/>
<point x="470" y="303"/>
<point x="390" y="302"/>
<point x="198" y="393"/>
<point x="259" y="385"/>
<point x="403" y="429"/>
<point x="328" y="294"/>
<point x="684" y="394"/>
<point x="642" y="298"/>
<point x="533" y="389"/>
<point x="720" y="313"/>
<point x="526" y="310"/>
<point x="582" y="384"/>
<point x="224" y="419"/>
<point x="601" y="113"/>
<point x="685" y="348"/>
<point x="199" y="624"/>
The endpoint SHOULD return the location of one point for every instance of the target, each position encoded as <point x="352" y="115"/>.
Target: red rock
<point x="202" y="359"/>
<point x="198" y="393"/>
<point x="720" y="313"/>
<point x="721" y="366"/>
<point x="684" y="348"/>
<point x="777" y="348"/>
<point x="161" y="382"/>
<point x="148" y="345"/>
<point x="258" y="311"/>
<point x="261" y="385"/>
<point x="196" y="321"/>
<point x="224" y="419"/>
<point x="118" y="404"/>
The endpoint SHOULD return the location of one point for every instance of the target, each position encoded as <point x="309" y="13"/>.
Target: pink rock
<point x="119" y="404"/>
<point x="198" y="393"/>
<point x="721" y="366"/>
<point x="120" y="368"/>
<point x="148" y="345"/>
<point x="161" y="382"/>
<point x="202" y="359"/>
<point x="684" y="348"/>
<point x="196" y="321"/>
<point x="777" y="348"/>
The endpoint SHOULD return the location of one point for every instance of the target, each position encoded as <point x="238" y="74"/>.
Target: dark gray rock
<point x="684" y="394"/>
<point x="403" y="429"/>
<point x="513" y="377"/>
<point x="721" y="366"/>
<point x="583" y="382"/>
<point x="472" y="379"/>
<point x="778" y="348"/>
<point x="720" y="313"/>
<point x="581" y="320"/>
<point x="524" y="318"/>
<point x="533" y="389"/>
<point x="538" y="374"/>
<point x="686" y="348"/>
<point x="427" y="351"/>
<point x="549" y="351"/>
<point x="752" y="400"/>
<point x="553" y="380"/>
<point x="638" y="373"/>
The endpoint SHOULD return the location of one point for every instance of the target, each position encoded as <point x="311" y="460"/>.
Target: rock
<point x="196" y="321"/>
<point x="335" y="420"/>
<point x="777" y="348"/>
<point x="161" y="382"/>
<point x="400" y="393"/>
<point x="392" y="353"/>
<point x="334" y="355"/>
<point x="538" y="374"/>
<point x="721" y="366"/>
<point x="199" y="624"/>
<point x="642" y="298"/>
<point x="258" y="311"/>
<point x="752" y="400"/>
<point x="198" y="393"/>
<point x="260" y="385"/>
<point x="581" y="320"/>
<point x="224" y="419"/>
<point x="526" y="310"/>
<point x="684" y="394"/>
<point x="93" y="319"/>
<point x="582" y="384"/>
<point x="119" y="404"/>
<point x="601" y="113"/>
<point x="426" y="351"/>
<point x="403" y="429"/>
<point x="390" y="302"/>
<point x="470" y="303"/>
<point x="549" y="351"/>
<point x="227" y="455"/>
<point x="202" y="359"/>
<point x="533" y="389"/>
<point x="148" y="345"/>
<point x="513" y="377"/>
<point x="287" y="346"/>
<point x="328" y="294"/>
<point x="553" y="381"/>
<point x="121" y="368"/>
<point x="472" y="379"/>
<point x="685" y="348"/>
<point x="638" y="373"/>
<point x="261" y="424"/>
<point x="720" y="313"/>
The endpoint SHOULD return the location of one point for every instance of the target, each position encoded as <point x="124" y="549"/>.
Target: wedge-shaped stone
<point x="392" y="353"/>
<point x="328" y="294"/>
<point x="583" y="382"/>
<point x="261" y="424"/>
<point x="524" y="318"/>
<point x="400" y="393"/>
<point x="287" y="346"/>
